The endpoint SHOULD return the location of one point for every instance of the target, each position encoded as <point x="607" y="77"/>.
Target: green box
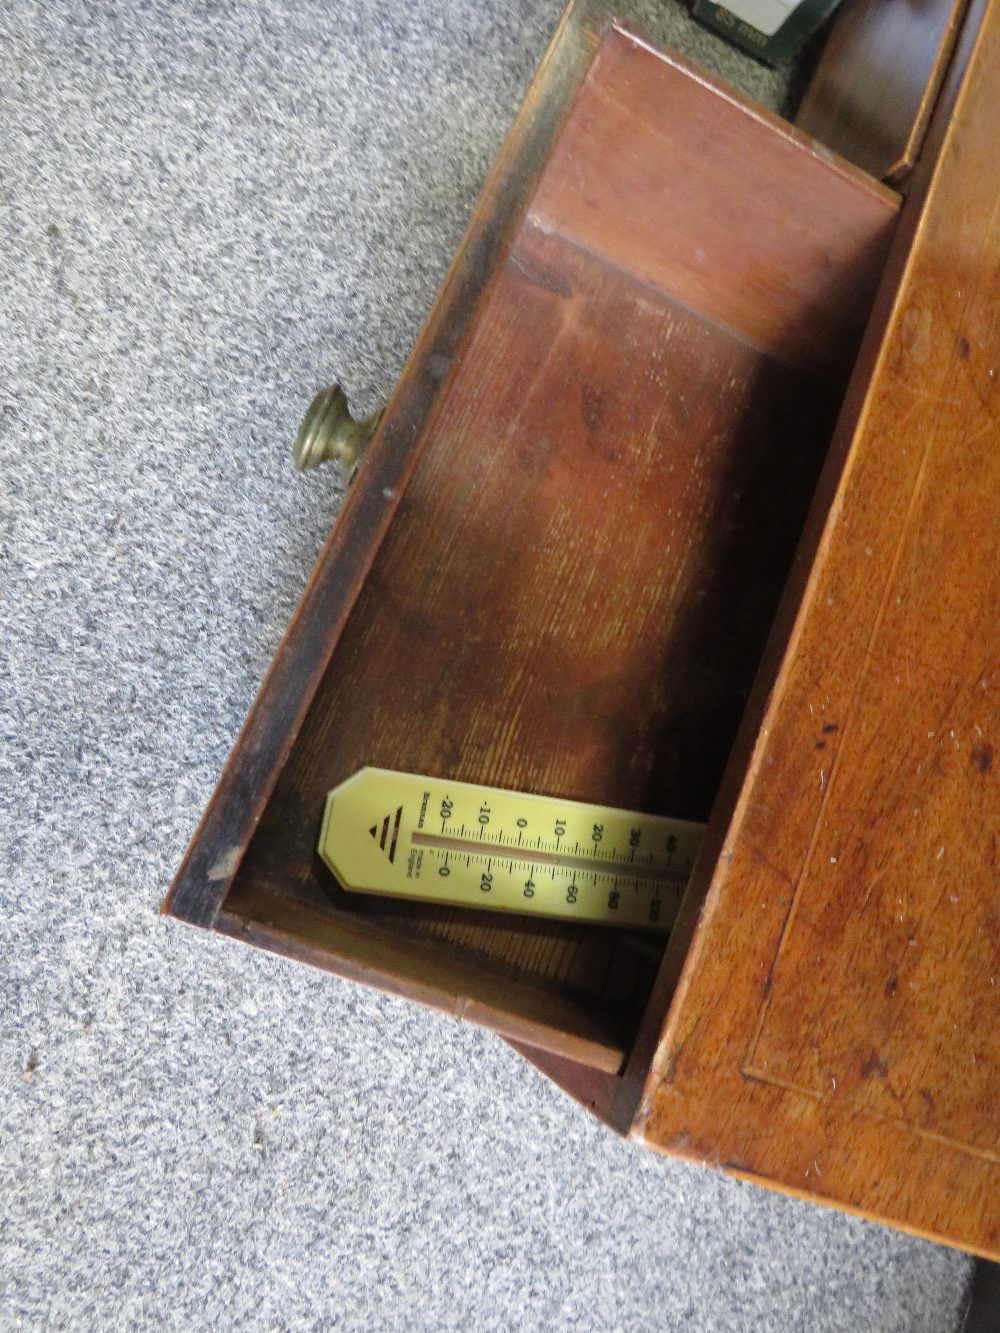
<point x="775" y="47"/>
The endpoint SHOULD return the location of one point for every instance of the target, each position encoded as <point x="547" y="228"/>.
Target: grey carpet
<point x="207" y="211"/>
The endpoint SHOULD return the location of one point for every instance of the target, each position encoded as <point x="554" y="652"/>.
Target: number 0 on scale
<point x="464" y="845"/>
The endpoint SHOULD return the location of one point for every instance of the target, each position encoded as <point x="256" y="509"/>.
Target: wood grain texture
<point x="234" y="810"/>
<point x="836" y="1029"/>
<point x="575" y="591"/>
<point x="371" y="956"/>
<point x="595" y="486"/>
<point x="700" y="193"/>
<point x="580" y="575"/>
<point x="595" y="499"/>
<point x="873" y="91"/>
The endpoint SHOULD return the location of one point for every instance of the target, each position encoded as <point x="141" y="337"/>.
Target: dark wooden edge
<point x="982" y="1314"/>
<point x="514" y="1008"/>
<point x="595" y="1089"/>
<point x="269" y="732"/>
<point x="807" y="1196"/>
<point x="847" y="47"/>
<point x="901" y="169"/>
<point x="619" y="1100"/>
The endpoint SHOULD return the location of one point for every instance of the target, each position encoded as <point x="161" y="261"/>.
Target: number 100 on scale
<point x="467" y="845"/>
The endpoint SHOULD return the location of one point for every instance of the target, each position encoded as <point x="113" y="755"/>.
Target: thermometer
<point x="466" y="845"/>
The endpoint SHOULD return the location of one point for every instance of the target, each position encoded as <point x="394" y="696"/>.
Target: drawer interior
<point x="574" y="591"/>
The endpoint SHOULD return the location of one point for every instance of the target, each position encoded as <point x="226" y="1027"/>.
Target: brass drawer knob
<point x="329" y="431"/>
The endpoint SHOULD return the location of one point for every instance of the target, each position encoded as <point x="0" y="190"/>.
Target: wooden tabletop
<point x="836" y="1030"/>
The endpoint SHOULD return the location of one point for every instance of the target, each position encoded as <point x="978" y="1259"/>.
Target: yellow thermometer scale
<point x="465" y="845"/>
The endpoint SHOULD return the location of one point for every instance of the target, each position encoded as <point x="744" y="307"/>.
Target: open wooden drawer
<point x="558" y="564"/>
<point x="562" y="556"/>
